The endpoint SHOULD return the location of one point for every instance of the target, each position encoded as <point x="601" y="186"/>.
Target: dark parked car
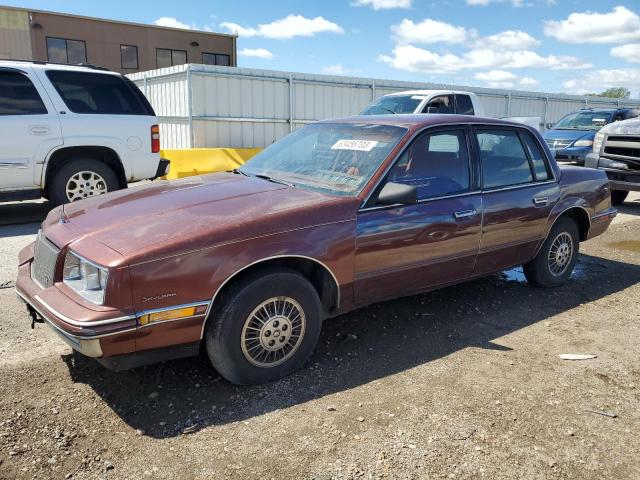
<point x="571" y="139"/>
<point x="333" y="217"/>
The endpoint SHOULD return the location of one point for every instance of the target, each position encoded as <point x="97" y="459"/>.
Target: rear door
<point x="464" y="105"/>
<point x="29" y="128"/>
<point x="403" y="249"/>
<point x="440" y="104"/>
<point x="518" y="193"/>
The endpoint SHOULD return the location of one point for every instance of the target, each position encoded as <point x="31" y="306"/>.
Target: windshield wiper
<point x="387" y="110"/>
<point x="239" y="172"/>
<point x="273" y="180"/>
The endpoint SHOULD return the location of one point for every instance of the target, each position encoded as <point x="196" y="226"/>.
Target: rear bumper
<point x="163" y="168"/>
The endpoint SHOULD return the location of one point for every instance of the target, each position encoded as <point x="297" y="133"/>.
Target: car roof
<point x="55" y="66"/>
<point x="426" y="92"/>
<point x="421" y="120"/>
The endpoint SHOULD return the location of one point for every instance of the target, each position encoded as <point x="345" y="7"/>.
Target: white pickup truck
<point x="436" y="101"/>
<point x="71" y="132"/>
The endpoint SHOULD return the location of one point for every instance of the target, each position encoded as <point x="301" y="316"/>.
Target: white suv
<point x="68" y="132"/>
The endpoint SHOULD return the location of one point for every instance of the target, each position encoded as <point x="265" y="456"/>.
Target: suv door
<point x="518" y="193"/>
<point x="464" y="105"/>
<point x="403" y="249"/>
<point x="439" y="104"/>
<point x="29" y="128"/>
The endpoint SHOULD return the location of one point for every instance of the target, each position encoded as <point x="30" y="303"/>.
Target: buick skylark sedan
<point x="247" y="264"/>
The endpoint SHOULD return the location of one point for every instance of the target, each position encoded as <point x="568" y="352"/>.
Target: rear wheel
<point x="81" y="178"/>
<point x="265" y="328"/>
<point x="618" y="197"/>
<point x="554" y="263"/>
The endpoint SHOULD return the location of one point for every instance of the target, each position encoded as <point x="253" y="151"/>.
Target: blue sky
<point x="543" y="45"/>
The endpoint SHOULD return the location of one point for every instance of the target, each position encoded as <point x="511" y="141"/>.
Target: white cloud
<point x="504" y="79"/>
<point x="256" y="52"/>
<point x="285" y="28"/>
<point x="629" y="52"/>
<point x="428" y="31"/>
<point x="382" y="4"/>
<point x="414" y="59"/>
<point x="173" y="23"/>
<point x="515" y="3"/>
<point x="621" y="25"/>
<point x="599" y="80"/>
<point x="509" y="39"/>
<point x="337" y="69"/>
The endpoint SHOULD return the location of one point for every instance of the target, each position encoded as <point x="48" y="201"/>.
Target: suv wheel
<point x="265" y="328"/>
<point x="554" y="263"/>
<point x="81" y="178"/>
<point x="618" y="197"/>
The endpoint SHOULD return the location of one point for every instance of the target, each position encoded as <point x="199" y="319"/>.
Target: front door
<point x="404" y="249"/>
<point x="519" y="192"/>
<point x="29" y="128"/>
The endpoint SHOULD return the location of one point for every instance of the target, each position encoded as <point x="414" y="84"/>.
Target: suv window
<point x="537" y="158"/>
<point x="437" y="164"/>
<point x="98" y="93"/>
<point x="439" y="104"/>
<point x="464" y="106"/>
<point x="504" y="161"/>
<point x="18" y="96"/>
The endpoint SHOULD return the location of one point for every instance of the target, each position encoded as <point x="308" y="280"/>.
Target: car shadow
<point x="22" y="218"/>
<point x="630" y="207"/>
<point x="356" y="348"/>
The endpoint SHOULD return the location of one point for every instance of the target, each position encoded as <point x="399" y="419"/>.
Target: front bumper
<point x="627" y="180"/>
<point x="572" y="155"/>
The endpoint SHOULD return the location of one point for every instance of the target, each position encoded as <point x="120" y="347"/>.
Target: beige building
<point x="120" y="46"/>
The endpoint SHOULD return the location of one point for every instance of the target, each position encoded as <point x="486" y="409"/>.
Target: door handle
<point x="465" y="214"/>
<point x="39" y="129"/>
<point x="540" y="201"/>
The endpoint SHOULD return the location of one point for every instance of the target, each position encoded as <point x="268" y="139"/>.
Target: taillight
<point x="155" y="139"/>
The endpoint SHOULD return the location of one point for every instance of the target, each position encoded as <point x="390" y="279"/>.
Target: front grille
<point x="44" y="261"/>
<point x="558" y="144"/>
<point x="623" y="148"/>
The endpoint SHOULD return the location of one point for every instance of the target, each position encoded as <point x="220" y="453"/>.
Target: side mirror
<point x="394" y="193"/>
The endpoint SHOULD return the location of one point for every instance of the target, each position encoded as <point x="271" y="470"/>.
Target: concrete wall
<point x="15" y="38"/>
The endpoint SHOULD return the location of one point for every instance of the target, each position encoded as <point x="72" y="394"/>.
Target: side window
<point x="96" y="93"/>
<point x="464" y="106"/>
<point x="129" y="56"/>
<point x="537" y="158"/>
<point x="504" y="162"/>
<point x="439" y="104"/>
<point x="18" y="96"/>
<point x="437" y="164"/>
<point x="62" y="50"/>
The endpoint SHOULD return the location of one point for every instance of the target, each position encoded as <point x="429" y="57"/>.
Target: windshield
<point x="584" y="121"/>
<point x="393" y="104"/>
<point x="338" y="159"/>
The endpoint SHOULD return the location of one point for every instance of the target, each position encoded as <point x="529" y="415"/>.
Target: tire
<point x="618" y="197"/>
<point x="99" y="178"/>
<point x="237" y="351"/>
<point x="549" y="270"/>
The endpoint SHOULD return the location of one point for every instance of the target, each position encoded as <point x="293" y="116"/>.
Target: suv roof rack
<point x="40" y="62"/>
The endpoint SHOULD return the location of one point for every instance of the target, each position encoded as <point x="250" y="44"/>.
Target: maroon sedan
<point x="337" y="215"/>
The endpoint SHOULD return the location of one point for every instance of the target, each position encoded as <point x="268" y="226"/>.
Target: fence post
<point x="373" y="90"/>
<point x="145" y="86"/>
<point x="291" y="102"/>
<point x="508" y="105"/>
<point x="190" y="107"/>
<point x="544" y="113"/>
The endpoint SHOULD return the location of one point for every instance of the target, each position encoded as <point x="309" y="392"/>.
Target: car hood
<point x="569" y="134"/>
<point x="624" y="127"/>
<point x="167" y="217"/>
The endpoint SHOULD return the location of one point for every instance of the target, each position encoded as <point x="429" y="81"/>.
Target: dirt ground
<point x="464" y="382"/>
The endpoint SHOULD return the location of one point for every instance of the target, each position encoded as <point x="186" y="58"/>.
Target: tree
<point x="616" y="92"/>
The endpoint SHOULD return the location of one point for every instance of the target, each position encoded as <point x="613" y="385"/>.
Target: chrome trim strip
<point x="162" y="322"/>
<point x="610" y="212"/>
<point x="176" y="307"/>
<point x="215" y="295"/>
<point x="76" y="323"/>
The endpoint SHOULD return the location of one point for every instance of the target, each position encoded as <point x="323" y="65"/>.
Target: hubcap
<point x="273" y="332"/>
<point x="560" y="254"/>
<point x="85" y="184"/>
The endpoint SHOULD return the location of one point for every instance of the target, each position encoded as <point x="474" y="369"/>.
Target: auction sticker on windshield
<point x="359" y="145"/>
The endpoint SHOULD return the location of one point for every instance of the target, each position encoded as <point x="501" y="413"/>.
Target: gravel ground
<point x="464" y="382"/>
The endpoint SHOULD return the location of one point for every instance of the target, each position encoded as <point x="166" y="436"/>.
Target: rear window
<point x="99" y="94"/>
<point x="464" y="106"/>
<point x="18" y="96"/>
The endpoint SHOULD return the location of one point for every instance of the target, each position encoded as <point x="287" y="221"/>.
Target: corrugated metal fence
<point x="212" y="106"/>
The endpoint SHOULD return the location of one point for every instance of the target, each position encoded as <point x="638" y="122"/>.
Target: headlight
<point x="597" y="142"/>
<point x="583" y="143"/>
<point x="86" y="278"/>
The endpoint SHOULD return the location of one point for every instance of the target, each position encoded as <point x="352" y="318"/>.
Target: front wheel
<point x="554" y="263"/>
<point x="618" y="197"/>
<point x="265" y="328"/>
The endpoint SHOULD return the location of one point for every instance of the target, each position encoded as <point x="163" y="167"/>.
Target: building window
<point x="61" y="50"/>
<point x="129" y="56"/>
<point x="216" y="59"/>
<point x="166" y="57"/>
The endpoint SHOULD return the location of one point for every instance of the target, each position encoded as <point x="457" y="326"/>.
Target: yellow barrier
<point x="198" y="161"/>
